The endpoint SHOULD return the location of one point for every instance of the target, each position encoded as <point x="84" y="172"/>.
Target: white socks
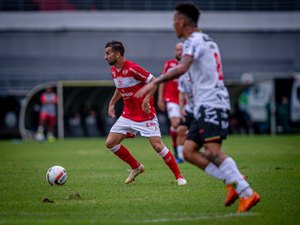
<point x="232" y="175"/>
<point x="180" y="152"/>
<point x="212" y="170"/>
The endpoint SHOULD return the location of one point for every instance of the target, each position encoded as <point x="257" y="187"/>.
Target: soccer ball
<point x="56" y="175"/>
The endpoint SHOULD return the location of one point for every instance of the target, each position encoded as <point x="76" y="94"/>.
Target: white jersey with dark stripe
<point x="206" y="72"/>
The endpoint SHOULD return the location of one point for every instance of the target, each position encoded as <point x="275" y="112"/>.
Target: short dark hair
<point x="116" y="46"/>
<point x="190" y="10"/>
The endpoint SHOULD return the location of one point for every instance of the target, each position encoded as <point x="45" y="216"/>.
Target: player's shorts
<point x="130" y="128"/>
<point x="212" y="126"/>
<point x="173" y="109"/>
<point x="48" y="117"/>
<point x="189" y="117"/>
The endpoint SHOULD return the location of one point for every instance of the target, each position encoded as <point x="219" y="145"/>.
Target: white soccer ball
<point x="56" y="175"/>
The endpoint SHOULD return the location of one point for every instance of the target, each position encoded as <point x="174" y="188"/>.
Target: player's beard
<point x="112" y="63"/>
<point x="178" y="58"/>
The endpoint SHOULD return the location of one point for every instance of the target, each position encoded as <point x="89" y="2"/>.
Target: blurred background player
<point x="186" y="105"/>
<point x="47" y="115"/>
<point x="168" y="98"/>
<point x="138" y="113"/>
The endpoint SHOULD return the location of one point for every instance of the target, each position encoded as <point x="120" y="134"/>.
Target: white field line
<point x="158" y="220"/>
<point x="198" y="218"/>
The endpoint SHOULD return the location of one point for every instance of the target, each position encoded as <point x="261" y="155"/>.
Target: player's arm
<point x="171" y="74"/>
<point x="161" y="89"/>
<point x="145" y="104"/>
<point x="160" y="100"/>
<point x="176" y="71"/>
<point x="111" y="107"/>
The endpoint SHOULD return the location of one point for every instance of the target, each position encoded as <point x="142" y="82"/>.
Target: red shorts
<point x="47" y="117"/>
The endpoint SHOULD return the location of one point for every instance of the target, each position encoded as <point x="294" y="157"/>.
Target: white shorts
<point x="173" y="110"/>
<point x="130" y="128"/>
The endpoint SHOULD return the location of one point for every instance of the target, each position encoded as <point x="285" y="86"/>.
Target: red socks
<point x="126" y="156"/>
<point x="171" y="162"/>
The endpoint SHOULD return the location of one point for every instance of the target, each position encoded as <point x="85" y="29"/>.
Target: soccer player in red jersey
<point x="47" y="116"/>
<point x="168" y="100"/>
<point x="138" y="114"/>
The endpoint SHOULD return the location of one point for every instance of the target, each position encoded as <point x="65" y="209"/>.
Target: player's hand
<point x="146" y="107"/>
<point x="111" y="111"/>
<point x="145" y="89"/>
<point x="161" y="105"/>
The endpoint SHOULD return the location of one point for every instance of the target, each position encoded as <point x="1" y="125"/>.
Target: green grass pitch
<point x="272" y="164"/>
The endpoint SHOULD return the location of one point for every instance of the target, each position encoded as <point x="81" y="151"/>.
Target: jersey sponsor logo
<point x="224" y="124"/>
<point x="210" y="116"/>
<point x="151" y="124"/>
<point x="212" y="119"/>
<point x="127" y="94"/>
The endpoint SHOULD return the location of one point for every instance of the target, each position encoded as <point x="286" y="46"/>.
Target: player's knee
<point x="157" y="144"/>
<point x="214" y="156"/>
<point x="175" y="122"/>
<point x="211" y="151"/>
<point x="175" y="125"/>
<point x="110" y="143"/>
<point x="158" y="147"/>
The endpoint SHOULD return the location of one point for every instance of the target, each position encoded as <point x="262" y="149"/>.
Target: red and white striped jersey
<point x="128" y="81"/>
<point x="49" y="101"/>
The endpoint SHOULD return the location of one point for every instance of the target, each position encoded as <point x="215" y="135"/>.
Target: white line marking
<point x="204" y="217"/>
